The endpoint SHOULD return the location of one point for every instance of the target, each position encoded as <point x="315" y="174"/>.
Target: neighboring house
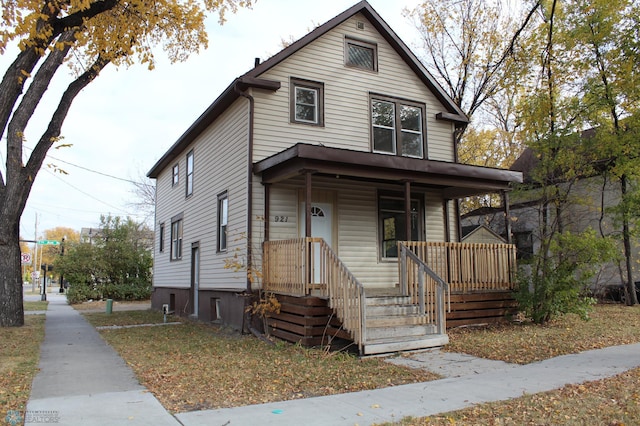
<point x="592" y="196"/>
<point x="481" y="234"/>
<point x="90" y="235"/>
<point x="310" y="168"/>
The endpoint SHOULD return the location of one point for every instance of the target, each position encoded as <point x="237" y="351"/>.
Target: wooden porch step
<point x="393" y="320"/>
<point x="391" y="310"/>
<point x="388" y="300"/>
<point x="399" y="331"/>
<point x="390" y="345"/>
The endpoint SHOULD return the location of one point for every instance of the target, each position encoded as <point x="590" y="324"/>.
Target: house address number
<point x="282" y="218"/>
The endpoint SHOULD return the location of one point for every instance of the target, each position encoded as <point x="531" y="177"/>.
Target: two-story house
<point x="310" y="169"/>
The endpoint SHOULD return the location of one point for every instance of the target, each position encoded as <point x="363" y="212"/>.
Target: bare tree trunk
<point x="632" y="297"/>
<point x="11" y="309"/>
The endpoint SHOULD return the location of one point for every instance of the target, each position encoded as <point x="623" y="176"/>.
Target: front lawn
<point x="609" y="325"/>
<point x="196" y="366"/>
<point x="19" y="356"/>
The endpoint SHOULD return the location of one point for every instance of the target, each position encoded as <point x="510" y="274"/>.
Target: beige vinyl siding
<point x="434" y="213"/>
<point x="453" y="221"/>
<point x="169" y="203"/>
<point x="346" y="97"/>
<point x="220" y="159"/>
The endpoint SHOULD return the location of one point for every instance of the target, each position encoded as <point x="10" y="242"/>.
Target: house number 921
<point x="282" y="218"/>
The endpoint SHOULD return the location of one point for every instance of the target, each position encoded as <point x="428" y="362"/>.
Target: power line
<point x="87" y="169"/>
<point x="85" y="193"/>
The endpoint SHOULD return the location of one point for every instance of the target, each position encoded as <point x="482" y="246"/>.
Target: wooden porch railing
<point x="425" y="288"/>
<point x="305" y="266"/>
<point x="469" y="267"/>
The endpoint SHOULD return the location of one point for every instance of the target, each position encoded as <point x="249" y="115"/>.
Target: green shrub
<point x="78" y="293"/>
<point x="559" y="280"/>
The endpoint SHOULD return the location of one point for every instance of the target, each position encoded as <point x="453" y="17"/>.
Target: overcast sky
<point x="124" y="121"/>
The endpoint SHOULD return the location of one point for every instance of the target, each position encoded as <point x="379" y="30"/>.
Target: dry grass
<point x="36" y="306"/>
<point x="101" y="305"/>
<point x="102" y="319"/>
<point x="19" y="355"/>
<point x="610" y="325"/>
<point x="195" y="366"/>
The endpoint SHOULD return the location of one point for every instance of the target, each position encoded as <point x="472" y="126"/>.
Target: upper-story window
<point x="361" y="54"/>
<point x="397" y="127"/>
<point x="176" y="175"/>
<point x="189" y="187"/>
<point x="307" y="102"/>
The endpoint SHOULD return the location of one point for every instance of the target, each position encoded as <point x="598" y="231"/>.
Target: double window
<point x="223" y="220"/>
<point x="397" y="127"/>
<point x="393" y="223"/>
<point x="176" y="237"/>
<point x="307" y="102"/>
<point x="189" y="187"/>
<point x="361" y="54"/>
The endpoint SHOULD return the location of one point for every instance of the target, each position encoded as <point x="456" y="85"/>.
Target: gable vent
<point x="360" y="25"/>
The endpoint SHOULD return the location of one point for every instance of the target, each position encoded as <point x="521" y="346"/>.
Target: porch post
<point x="507" y="216"/>
<point x="267" y="212"/>
<point x="407" y="208"/>
<point x="307" y="204"/>
<point x="307" y="229"/>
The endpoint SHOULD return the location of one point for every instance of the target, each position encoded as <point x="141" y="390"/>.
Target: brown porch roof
<point x="456" y="180"/>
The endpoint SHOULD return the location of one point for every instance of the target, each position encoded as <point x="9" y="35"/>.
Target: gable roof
<point x="252" y="79"/>
<point x="469" y="231"/>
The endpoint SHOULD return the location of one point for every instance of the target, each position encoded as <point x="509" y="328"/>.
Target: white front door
<point x="321" y="227"/>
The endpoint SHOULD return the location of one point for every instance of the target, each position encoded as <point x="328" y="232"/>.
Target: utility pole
<point x="34" y="260"/>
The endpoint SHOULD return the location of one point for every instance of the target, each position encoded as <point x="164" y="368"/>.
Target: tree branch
<point x="30" y="100"/>
<point x="47" y="139"/>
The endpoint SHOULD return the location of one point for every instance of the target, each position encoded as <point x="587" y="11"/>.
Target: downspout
<point x="249" y="183"/>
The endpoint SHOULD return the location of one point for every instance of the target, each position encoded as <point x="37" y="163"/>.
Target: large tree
<point x="97" y="33"/>
<point x="606" y="33"/>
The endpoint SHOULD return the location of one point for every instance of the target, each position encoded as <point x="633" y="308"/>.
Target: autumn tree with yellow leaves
<point x="89" y="35"/>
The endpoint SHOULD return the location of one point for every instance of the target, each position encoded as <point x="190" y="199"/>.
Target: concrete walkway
<point x="83" y="381"/>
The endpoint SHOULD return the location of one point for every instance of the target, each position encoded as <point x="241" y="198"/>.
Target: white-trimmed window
<point x="223" y="220"/>
<point x="397" y="127"/>
<point x="307" y="102"/>
<point x="189" y="186"/>
<point x="361" y="54"/>
<point x="176" y="175"/>
<point x="176" y="237"/>
<point x="393" y="222"/>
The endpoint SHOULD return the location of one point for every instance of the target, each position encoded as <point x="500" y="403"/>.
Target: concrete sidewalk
<point x="429" y="398"/>
<point x="83" y="381"/>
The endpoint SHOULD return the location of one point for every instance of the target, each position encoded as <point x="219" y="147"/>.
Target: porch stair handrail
<point x="291" y="266"/>
<point x="441" y="286"/>
<point x="344" y="291"/>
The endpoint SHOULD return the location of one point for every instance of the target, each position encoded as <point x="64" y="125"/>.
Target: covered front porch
<point x="411" y="315"/>
<point x="387" y="266"/>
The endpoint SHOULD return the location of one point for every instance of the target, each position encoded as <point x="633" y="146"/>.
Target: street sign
<point x="26" y="258"/>
<point x="35" y="275"/>
<point x="48" y="242"/>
